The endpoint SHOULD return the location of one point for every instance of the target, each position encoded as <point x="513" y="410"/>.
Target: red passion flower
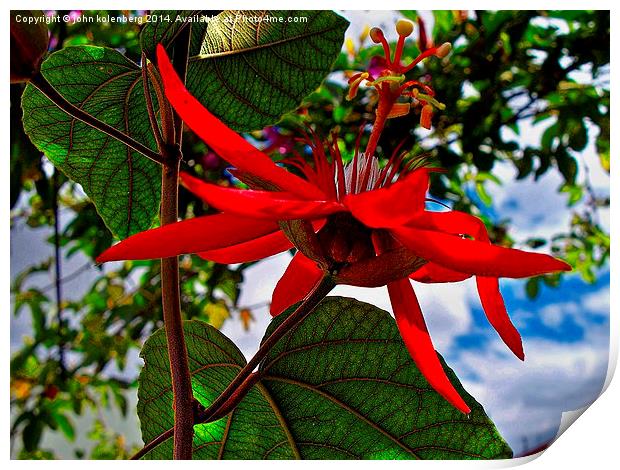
<point x="362" y="224"/>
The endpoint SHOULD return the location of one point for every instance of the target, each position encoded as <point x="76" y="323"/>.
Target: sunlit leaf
<point x="123" y="184"/>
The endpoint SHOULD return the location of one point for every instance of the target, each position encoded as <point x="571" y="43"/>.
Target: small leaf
<point x="340" y="386"/>
<point x="218" y="313"/>
<point x="123" y="184"/>
<point x="532" y="287"/>
<point x="65" y="425"/>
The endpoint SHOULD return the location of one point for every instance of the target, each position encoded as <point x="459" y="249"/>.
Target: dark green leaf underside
<point x="250" y="73"/>
<point x="123" y="184"/>
<point x="342" y="386"/>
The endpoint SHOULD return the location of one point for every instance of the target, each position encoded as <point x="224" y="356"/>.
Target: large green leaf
<point x="342" y="386"/>
<point x="123" y="184"/>
<point x="249" y="73"/>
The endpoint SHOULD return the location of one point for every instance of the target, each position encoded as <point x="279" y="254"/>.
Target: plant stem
<point x="245" y="379"/>
<point x="171" y="305"/>
<point x="48" y="90"/>
<point x="58" y="278"/>
<point x="171" y="301"/>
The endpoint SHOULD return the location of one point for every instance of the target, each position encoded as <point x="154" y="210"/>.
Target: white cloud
<point x="526" y="399"/>
<point x="553" y="315"/>
<point x="597" y="302"/>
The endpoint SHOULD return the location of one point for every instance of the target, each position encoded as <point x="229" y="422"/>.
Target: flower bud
<point x="404" y="28"/>
<point x="29" y="41"/>
<point x="443" y="50"/>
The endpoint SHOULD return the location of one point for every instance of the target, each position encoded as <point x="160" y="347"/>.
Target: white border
<point x="591" y="442"/>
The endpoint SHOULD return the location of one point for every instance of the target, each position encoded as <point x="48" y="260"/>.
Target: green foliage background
<point x="520" y="66"/>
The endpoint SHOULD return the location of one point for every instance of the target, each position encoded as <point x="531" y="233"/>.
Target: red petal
<point x="415" y="334"/>
<point x="432" y="273"/>
<point x="495" y="310"/>
<point x="454" y="222"/>
<point x="258" y="204"/>
<point x="301" y="275"/>
<point x="224" y="141"/>
<point x="188" y="236"/>
<point x="391" y="206"/>
<point x="259" y="248"/>
<point x="474" y="257"/>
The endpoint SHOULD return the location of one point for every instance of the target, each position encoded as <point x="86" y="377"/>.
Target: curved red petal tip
<point x="391" y="206"/>
<point x="495" y="311"/>
<point x="563" y="265"/>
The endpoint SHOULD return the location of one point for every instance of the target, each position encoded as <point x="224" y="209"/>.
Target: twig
<point x="58" y="278"/>
<point x="48" y="90"/>
<point x="149" y="104"/>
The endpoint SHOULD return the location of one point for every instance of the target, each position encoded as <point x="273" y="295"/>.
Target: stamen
<point x="354" y="84"/>
<point x="431" y="100"/>
<point x="404" y="28"/>
<point x="410" y="83"/>
<point x="443" y="50"/>
<point x="377" y="36"/>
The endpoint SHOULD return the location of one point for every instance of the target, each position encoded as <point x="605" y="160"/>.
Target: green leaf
<point x="65" y="425"/>
<point x="250" y="73"/>
<point x="123" y="184"/>
<point x="341" y="386"/>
